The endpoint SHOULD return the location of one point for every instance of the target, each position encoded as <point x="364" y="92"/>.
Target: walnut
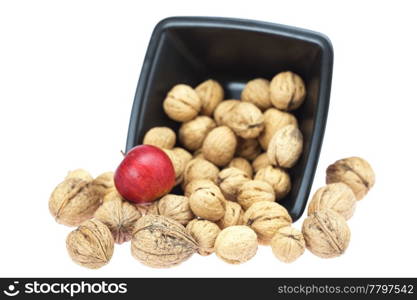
<point x="356" y="172"/>
<point x="241" y="164"/>
<point x="278" y="178"/>
<point x="175" y="207"/>
<point x="287" y="91"/>
<point x="265" y="218"/>
<point x="245" y="119"/>
<point x="236" y="244"/>
<point x="182" y="103"/>
<point x="326" y="233"/>
<point x="104" y="183"/>
<point x="256" y="91"/>
<point x="91" y="245"/>
<point x="208" y="203"/>
<point x="193" y="133"/>
<point x="161" y="242"/>
<point x="198" y="153"/>
<point x="179" y="158"/>
<point x="162" y="137"/>
<point x="204" y="233"/>
<point x="223" y="110"/>
<point x="80" y="174"/>
<point x="288" y="244"/>
<point x="335" y="196"/>
<point x="119" y="216"/>
<point x="148" y="208"/>
<point x="210" y="93"/>
<point x="260" y="162"/>
<point x="285" y="147"/>
<point x="229" y="181"/>
<point x="199" y="168"/>
<point x="197" y="184"/>
<point x="274" y="120"/>
<point x="248" y="148"/>
<point x="220" y="145"/>
<point x="233" y="215"/>
<point x="255" y="191"/>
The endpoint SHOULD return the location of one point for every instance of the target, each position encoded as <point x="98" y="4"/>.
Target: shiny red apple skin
<point x="144" y="175"/>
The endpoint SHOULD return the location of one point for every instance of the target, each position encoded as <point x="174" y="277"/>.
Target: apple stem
<point x="124" y="154"/>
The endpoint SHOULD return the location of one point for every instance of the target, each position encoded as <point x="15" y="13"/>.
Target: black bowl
<point x="192" y="49"/>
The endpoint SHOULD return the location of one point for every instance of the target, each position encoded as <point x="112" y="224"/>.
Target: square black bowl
<point x="192" y="49"/>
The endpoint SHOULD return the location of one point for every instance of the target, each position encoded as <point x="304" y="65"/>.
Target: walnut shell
<point x="285" y="147"/>
<point x="245" y="119"/>
<point x="91" y="245"/>
<point x="260" y="162"/>
<point x="255" y="191"/>
<point x="162" y="137"/>
<point x="204" y="233"/>
<point x="335" y="196"/>
<point x="287" y="91"/>
<point x="223" y="110"/>
<point x="104" y="183"/>
<point x="256" y="91"/>
<point x="230" y="180"/>
<point x="80" y="174"/>
<point x="288" y="244"/>
<point x="148" y="208"/>
<point x="220" y="145"/>
<point x="200" y="168"/>
<point x="248" y="148"/>
<point x="197" y="184"/>
<point x="193" y="133"/>
<point x="241" y="164"/>
<point x="274" y="120"/>
<point x="74" y="201"/>
<point x="236" y="244"/>
<point x="326" y="233"/>
<point x="356" y="172"/>
<point x="160" y="242"/>
<point x="265" y="218"/>
<point x="179" y="158"/>
<point x="182" y="103"/>
<point x="210" y="93"/>
<point x="278" y="178"/>
<point x="233" y="215"/>
<point x="119" y="216"/>
<point x="208" y="203"/>
<point x="176" y="207"/>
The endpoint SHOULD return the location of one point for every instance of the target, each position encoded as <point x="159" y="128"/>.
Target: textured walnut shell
<point x="104" y="183"/>
<point x="179" y="158"/>
<point x="208" y="203"/>
<point x="256" y="92"/>
<point x="175" y="207"/>
<point x="199" y="168"/>
<point x="197" y="184"/>
<point x="230" y="180"/>
<point x="260" y="162"/>
<point x="91" y="245"/>
<point x="210" y="93"/>
<point x="236" y="244"/>
<point x="245" y="119"/>
<point x="80" y="174"/>
<point x="223" y="110"/>
<point x="160" y="242"/>
<point x="193" y="133"/>
<point x="242" y="164"/>
<point x="274" y="120"/>
<point x="248" y="148"/>
<point x="287" y="91"/>
<point x="74" y="201"/>
<point x="265" y="218"/>
<point x="219" y="146"/>
<point x="119" y="216"/>
<point x="326" y="233"/>
<point x="288" y="244"/>
<point x="233" y="215"/>
<point x="356" y="172"/>
<point x="182" y="103"/>
<point x="204" y="233"/>
<point x="255" y="191"/>
<point x="278" y="178"/>
<point x="335" y="196"/>
<point x="162" y="137"/>
<point x="148" y="208"/>
<point x="285" y="147"/>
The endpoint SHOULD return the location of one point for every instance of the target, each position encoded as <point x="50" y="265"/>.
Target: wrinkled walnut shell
<point x="241" y="164"/>
<point x="208" y="203"/>
<point x="285" y="147"/>
<point x="179" y="158"/>
<point x="245" y="119"/>
<point x="248" y="148"/>
<point x="260" y="162"/>
<point x="288" y="244"/>
<point x="256" y="92"/>
<point x="278" y="178"/>
<point x="230" y="180"/>
<point x="200" y="168"/>
<point x="191" y="187"/>
<point x="182" y="103"/>
<point x="204" y="233"/>
<point x="220" y="145"/>
<point x="104" y="183"/>
<point x="80" y="174"/>
<point x="223" y="110"/>
<point x="175" y="207"/>
<point x="233" y="215"/>
<point x="255" y="191"/>
<point x="210" y="93"/>
<point x="161" y="137"/>
<point x="287" y="91"/>
<point x="193" y="133"/>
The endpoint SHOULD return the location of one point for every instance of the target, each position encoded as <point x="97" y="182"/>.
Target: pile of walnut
<point x="233" y="169"/>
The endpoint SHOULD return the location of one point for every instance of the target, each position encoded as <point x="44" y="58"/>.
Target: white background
<point x="68" y="73"/>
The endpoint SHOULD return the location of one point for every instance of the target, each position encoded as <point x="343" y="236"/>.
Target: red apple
<point x="145" y="174"/>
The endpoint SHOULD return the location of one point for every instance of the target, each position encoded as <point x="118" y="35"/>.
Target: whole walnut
<point x="162" y="137"/>
<point x="91" y="245"/>
<point x="182" y="103"/>
<point x="274" y="120"/>
<point x="179" y="158"/>
<point x="326" y="233"/>
<point x="223" y="110"/>
<point x="119" y="216"/>
<point x="104" y="183"/>
<point x="230" y="180"/>
<point x="248" y="148"/>
<point x="161" y="242"/>
<point x="80" y="174"/>
<point x="200" y="168"/>
<point x="233" y="215"/>
<point x="176" y="207"/>
<point x="208" y="203"/>
<point x="335" y="196"/>
<point x="285" y="147"/>
<point x="241" y="164"/>
<point x="288" y="244"/>
<point x="255" y="191"/>
<point x="220" y="145"/>
<point x="192" y="186"/>
<point x="260" y="162"/>
<point x="265" y="218"/>
<point x="245" y="119"/>
<point x="236" y="244"/>
<point x="210" y="93"/>
<point x="278" y="178"/>
<point x="204" y="233"/>
<point x="256" y="91"/>
<point x="287" y="91"/>
<point x="193" y="133"/>
<point x="356" y="172"/>
<point x="148" y="208"/>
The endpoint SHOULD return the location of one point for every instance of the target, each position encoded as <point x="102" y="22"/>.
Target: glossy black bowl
<point x="192" y="49"/>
